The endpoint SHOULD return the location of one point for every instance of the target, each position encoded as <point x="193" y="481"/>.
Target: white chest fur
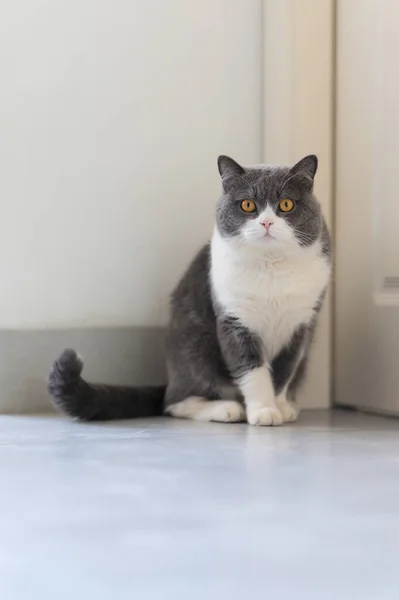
<point x="270" y="297"/>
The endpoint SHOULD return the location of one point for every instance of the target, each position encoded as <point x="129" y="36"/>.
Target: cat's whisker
<point x="301" y="232"/>
<point x="304" y="237"/>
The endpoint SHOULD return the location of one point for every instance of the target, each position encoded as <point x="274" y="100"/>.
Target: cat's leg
<point x="293" y="386"/>
<point x="242" y="350"/>
<point x="288" y="408"/>
<point x="257" y="388"/>
<point x="188" y="397"/>
<point x="201" y="409"/>
<point x="199" y="385"/>
<point x="286" y="367"/>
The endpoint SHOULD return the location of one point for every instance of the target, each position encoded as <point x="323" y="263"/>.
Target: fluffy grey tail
<point x="73" y="396"/>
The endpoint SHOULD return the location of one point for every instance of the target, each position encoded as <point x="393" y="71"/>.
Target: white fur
<point x="257" y="389"/>
<point x="289" y="411"/>
<point x="271" y="284"/>
<point x="201" y="409"/>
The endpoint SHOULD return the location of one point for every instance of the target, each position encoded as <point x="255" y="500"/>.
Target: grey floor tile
<point x="161" y="508"/>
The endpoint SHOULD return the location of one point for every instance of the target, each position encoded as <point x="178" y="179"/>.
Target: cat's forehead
<point x="266" y="178"/>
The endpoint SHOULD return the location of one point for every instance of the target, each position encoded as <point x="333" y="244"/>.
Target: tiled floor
<point x="161" y="509"/>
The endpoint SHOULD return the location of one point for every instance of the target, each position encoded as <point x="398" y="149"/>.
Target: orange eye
<point x="248" y="206"/>
<point x="286" y="205"/>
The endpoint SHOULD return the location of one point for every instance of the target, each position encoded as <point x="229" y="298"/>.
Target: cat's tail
<point x="73" y="396"/>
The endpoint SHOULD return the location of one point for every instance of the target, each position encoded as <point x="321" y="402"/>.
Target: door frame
<point x="299" y="119"/>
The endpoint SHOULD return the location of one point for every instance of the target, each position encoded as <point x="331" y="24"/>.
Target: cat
<point x="242" y="316"/>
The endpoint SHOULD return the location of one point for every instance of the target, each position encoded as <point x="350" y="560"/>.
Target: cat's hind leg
<point x="289" y="409"/>
<point x="288" y="372"/>
<point x="286" y="400"/>
<point x="201" y="409"/>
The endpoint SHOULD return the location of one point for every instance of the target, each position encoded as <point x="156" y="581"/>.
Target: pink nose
<point x="267" y="224"/>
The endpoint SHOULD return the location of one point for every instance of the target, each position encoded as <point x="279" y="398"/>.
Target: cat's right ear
<point x="229" y="168"/>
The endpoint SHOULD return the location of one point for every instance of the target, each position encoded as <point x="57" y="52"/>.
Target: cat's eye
<point x="286" y="205"/>
<point x="248" y="206"/>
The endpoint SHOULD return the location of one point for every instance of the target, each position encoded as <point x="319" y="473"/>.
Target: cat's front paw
<point x="264" y="417"/>
<point x="289" y="411"/>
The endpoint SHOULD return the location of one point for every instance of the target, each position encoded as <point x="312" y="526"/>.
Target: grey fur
<point x="72" y="395"/>
<point x="326" y="241"/>
<point x="207" y="351"/>
<point x="287" y="360"/>
<point x="195" y="363"/>
<point x="241" y="349"/>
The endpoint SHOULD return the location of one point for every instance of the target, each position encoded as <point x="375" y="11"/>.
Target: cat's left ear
<point x="229" y="167"/>
<point x="307" y="165"/>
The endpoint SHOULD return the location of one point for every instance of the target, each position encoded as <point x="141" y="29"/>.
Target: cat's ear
<point x="229" y="167"/>
<point x="301" y="175"/>
<point x="307" y="166"/>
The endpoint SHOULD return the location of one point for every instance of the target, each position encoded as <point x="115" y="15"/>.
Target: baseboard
<point x="120" y="355"/>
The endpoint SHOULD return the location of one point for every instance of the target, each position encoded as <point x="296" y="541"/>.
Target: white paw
<point x="200" y="409"/>
<point x="289" y="411"/>
<point x="226" y="411"/>
<point x="264" y="416"/>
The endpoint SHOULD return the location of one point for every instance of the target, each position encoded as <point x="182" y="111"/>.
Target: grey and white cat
<point x="242" y="316"/>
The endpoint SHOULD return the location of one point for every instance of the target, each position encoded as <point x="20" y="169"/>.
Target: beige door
<point x="367" y="217"/>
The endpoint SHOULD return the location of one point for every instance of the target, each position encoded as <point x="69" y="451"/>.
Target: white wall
<point x="113" y="113"/>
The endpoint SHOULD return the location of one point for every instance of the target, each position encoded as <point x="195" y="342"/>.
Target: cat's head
<point x="270" y="207"/>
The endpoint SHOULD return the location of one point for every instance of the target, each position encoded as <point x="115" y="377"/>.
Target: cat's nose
<point x="267" y="223"/>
